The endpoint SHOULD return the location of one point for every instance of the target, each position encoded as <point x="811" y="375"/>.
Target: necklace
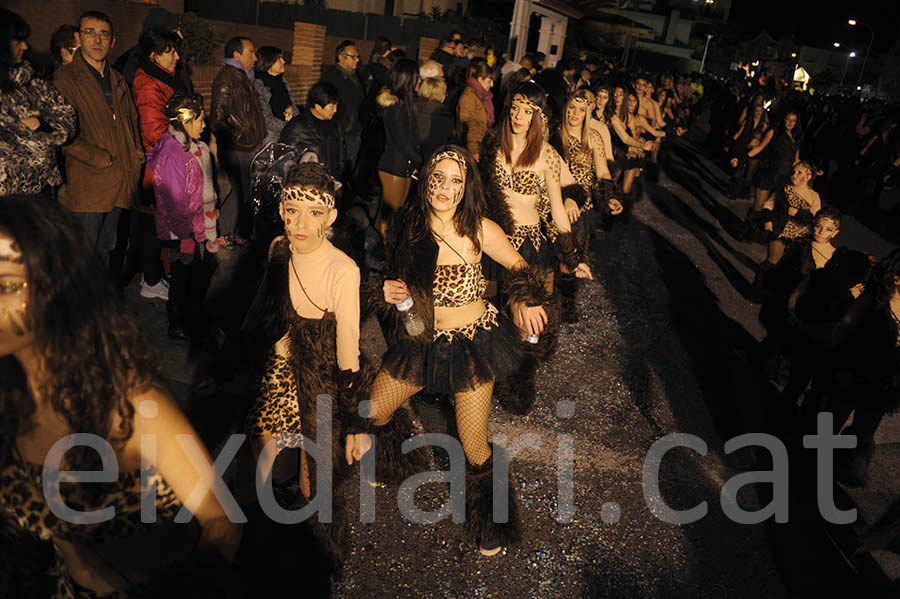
<point x="302" y="288"/>
<point x="440" y="238"/>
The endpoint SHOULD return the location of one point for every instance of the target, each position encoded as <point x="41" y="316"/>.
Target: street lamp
<point x="844" y="74"/>
<point x="709" y="36"/>
<point x="854" y="23"/>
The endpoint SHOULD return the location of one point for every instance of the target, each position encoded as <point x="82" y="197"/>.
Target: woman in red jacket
<point x="154" y="84"/>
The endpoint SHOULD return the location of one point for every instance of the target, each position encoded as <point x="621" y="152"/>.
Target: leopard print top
<point x="581" y="163"/>
<point x="793" y="229"/>
<point x="458" y="285"/>
<point x="22" y="493"/>
<point x="521" y="181"/>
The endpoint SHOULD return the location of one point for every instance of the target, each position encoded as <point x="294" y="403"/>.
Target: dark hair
<point x="322" y="93"/>
<point x="797" y="131"/>
<point x="235" y="44"/>
<point x="90" y="345"/>
<point x="12" y="27"/>
<point x="266" y="56"/>
<point x="479" y="69"/>
<point x="310" y="174"/>
<point x="64" y="37"/>
<point x="171" y="110"/>
<point x="341" y="47"/>
<point x="523" y="75"/>
<point x="414" y="217"/>
<point x="610" y="108"/>
<point x="831" y="213"/>
<point x="622" y="111"/>
<point x="571" y="64"/>
<point x="382" y="45"/>
<point x="157" y="41"/>
<point x="404" y="77"/>
<point x="97" y="16"/>
<point x="882" y="281"/>
<point x="534" y="141"/>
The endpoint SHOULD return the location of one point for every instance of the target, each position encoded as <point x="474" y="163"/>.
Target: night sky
<point x="822" y="22"/>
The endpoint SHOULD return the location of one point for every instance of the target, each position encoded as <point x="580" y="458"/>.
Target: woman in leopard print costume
<point x="436" y="247"/>
<point x="304" y="327"/>
<point x="585" y="181"/>
<point x="34" y="117"/>
<point x="522" y="171"/>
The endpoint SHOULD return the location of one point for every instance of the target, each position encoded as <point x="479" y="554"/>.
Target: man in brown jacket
<point x="103" y="161"/>
<point x="236" y="119"/>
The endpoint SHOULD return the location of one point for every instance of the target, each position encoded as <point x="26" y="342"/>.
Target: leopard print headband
<point x="536" y="107"/>
<point x="452" y="155"/>
<point x="307" y="194"/>
<point x="580" y="100"/>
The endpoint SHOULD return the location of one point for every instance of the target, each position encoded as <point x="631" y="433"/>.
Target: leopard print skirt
<point x="276" y="412"/>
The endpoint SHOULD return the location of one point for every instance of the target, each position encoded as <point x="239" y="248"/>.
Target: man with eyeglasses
<point x="344" y="76"/>
<point x="103" y="161"/>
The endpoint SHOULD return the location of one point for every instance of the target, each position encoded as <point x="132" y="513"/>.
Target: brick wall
<point x="308" y="43"/>
<point x="427" y="46"/>
<point x="45" y="17"/>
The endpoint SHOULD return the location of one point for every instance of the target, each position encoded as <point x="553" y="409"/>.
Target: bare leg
<point x="776" y="251"/>
<point x="628" y="179"/>
<point x="762" y="196"/>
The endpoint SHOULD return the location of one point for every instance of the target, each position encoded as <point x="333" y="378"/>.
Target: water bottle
<point x="410" y="316"/>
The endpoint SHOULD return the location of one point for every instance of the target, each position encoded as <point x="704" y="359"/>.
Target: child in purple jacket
<point x="186" y="214"/>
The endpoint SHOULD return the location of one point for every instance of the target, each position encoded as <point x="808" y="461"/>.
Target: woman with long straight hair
<point x="522" y="170"/>
<point x="402" y="154"/>
<point x="585" y="180"/>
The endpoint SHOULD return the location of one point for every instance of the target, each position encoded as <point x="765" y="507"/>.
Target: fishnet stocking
<point x="472" y="411"/>
<point x="388" y="394"/>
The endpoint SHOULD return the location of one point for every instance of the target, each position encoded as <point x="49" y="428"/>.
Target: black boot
<point x="392" y="466"/>
<point x="516" y="394"/>
<point x="491" y="536"/>
<point x="567" y="284"/>
<point x="178" y="296"/>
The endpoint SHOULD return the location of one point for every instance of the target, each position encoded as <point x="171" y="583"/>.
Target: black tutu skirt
<point x="448" y="367"/>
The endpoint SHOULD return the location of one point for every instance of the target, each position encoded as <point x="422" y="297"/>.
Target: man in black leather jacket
<point x="316" y="131"/>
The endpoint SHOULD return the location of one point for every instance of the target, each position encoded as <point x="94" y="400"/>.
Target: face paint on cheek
<point x="432" y="187"/>
<point x="14" y="318"/>
<point x="320" y="231"/>
<point x="287" y="221"/>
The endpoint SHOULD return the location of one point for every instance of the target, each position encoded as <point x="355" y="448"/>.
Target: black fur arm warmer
<point x="570" y="248"/>
<point x="527" y="284"/>
<point x="576" y="193"/>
